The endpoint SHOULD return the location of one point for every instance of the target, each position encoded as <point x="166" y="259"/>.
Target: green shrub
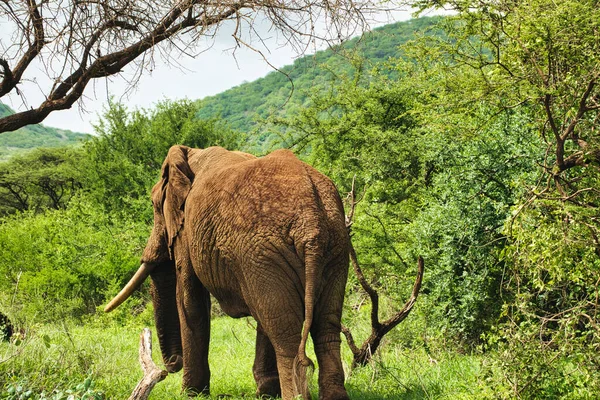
<point x="81" y="391"/>
<point x="63" y="263"/>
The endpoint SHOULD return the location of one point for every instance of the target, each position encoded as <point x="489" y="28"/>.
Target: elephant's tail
<point x="300" y="379"/>
<point x="303" y="364"/>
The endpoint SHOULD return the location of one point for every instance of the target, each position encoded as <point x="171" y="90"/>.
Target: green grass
<point x="54" y="358"/>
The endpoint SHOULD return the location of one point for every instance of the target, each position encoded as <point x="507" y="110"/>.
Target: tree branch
<point x="152" y="374"/>
<point x="122" y="30"/>
<point x="12" y="78"/>
<point x="362" y="355"/>
<point x="71" y="89"/>
<point x="581" y="110"/>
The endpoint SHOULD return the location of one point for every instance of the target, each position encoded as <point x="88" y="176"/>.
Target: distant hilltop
<point x="34" y="136"/>
<point x="244" y="107"/>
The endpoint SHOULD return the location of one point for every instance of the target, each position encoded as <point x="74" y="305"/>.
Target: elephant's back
<point x="278" y="200"/>
<point x="271" y="190"/>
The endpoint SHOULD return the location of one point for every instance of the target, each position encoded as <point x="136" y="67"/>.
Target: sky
<point x="211" y="72"/>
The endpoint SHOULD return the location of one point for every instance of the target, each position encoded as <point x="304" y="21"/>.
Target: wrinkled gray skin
<point x="266" y="237"/>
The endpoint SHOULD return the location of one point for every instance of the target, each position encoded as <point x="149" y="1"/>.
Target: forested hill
<point x="33" y="136"/>
<point x="244" y="105"/>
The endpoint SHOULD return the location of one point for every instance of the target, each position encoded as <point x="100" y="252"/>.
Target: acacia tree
<point x="42" y="179"/>
<point x="76" y="41"/>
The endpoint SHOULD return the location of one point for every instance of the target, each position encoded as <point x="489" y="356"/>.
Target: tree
<point x="431" y="187"/>
<point x="545" y="57"/>
<point x="41" y="179"/>
<point x="78" y="41"/>
<point x="541" y="58"/>
<point x="126" y="156"/>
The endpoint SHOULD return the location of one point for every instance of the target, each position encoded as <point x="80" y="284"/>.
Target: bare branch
<point x="550" y="116"/>
<point x="403" y="313"/>
<point x="373" y="295"/>
<point x="12" y="78"/>
<point x="350" y="339"/>
<point x="76" y="41"/>
<point x="352" y="201"/>
<point x="362" y="355"/>
<point x="581" y="110"/>
<point x="152" y="374"/>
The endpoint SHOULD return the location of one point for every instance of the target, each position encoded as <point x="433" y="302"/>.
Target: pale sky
<point x="211" y="72"/>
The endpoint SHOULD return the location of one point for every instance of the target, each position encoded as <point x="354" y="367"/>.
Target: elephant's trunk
<point x="166" y="316"/>
<point x="138" y="278"/>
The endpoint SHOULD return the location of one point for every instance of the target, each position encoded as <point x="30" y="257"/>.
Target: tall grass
<point x="52" y="359"/>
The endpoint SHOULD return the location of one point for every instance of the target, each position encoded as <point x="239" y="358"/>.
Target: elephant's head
<point x="158" y="260"/>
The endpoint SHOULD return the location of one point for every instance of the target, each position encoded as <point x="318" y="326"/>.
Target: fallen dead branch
<point x="152" y="374"/>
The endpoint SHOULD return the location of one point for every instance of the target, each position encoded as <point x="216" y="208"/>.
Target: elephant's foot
<point x="268" y="387"/>
<point x="197" y="388"/>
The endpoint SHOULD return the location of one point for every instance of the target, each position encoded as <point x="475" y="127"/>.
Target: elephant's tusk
<point x="135" y="282"/>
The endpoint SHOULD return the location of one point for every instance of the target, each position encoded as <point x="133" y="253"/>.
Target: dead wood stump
<point x="152" y="374"/>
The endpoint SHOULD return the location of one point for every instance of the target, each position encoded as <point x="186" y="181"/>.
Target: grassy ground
<point x="100" y="359"/>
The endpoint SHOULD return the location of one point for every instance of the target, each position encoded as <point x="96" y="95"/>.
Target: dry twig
<point x="76" y="42"/>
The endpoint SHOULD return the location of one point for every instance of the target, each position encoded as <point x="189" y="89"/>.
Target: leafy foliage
<point x="439" y="192"/>
<point x="86" y="213"/>
<point x="81" y="391"/>
<point x="61" y="263"/>
<point x="126" y="157"/>
<point x="541" y="57"/>
<point x="288" y="91"/>
<point x="475" y="145"/>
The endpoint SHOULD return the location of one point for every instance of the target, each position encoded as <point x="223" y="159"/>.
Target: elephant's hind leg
<point x="331" y="373"/>
<point x="281" y="321"/>
<point x="265" y="367"/>
<point x="326" y="331"/>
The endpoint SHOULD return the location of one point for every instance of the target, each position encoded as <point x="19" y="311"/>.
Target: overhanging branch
<point x="12" y="78"/>
<point x="71" y="89"/>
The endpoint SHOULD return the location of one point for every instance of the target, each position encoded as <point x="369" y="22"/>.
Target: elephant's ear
<point x="177" y="178"/>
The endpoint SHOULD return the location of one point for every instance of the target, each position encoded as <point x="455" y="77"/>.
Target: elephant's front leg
<point x="265" y="367"/>
<point x="193" y="301"/>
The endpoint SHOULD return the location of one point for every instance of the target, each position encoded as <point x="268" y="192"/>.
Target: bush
<point x="63" y="263"/>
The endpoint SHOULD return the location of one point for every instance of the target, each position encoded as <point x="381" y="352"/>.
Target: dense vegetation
<point x="33" y="136"/>
<point x="475" y="145"/>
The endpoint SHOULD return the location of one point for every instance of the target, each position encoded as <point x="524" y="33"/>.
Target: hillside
<point x="245" y="105"/>
<point x="34" y="136"/>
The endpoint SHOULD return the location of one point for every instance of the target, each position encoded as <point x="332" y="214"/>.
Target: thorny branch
<point x="379" y="329"/>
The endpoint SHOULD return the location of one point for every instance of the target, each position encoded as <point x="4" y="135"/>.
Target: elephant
<point x="266" y="237"/>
